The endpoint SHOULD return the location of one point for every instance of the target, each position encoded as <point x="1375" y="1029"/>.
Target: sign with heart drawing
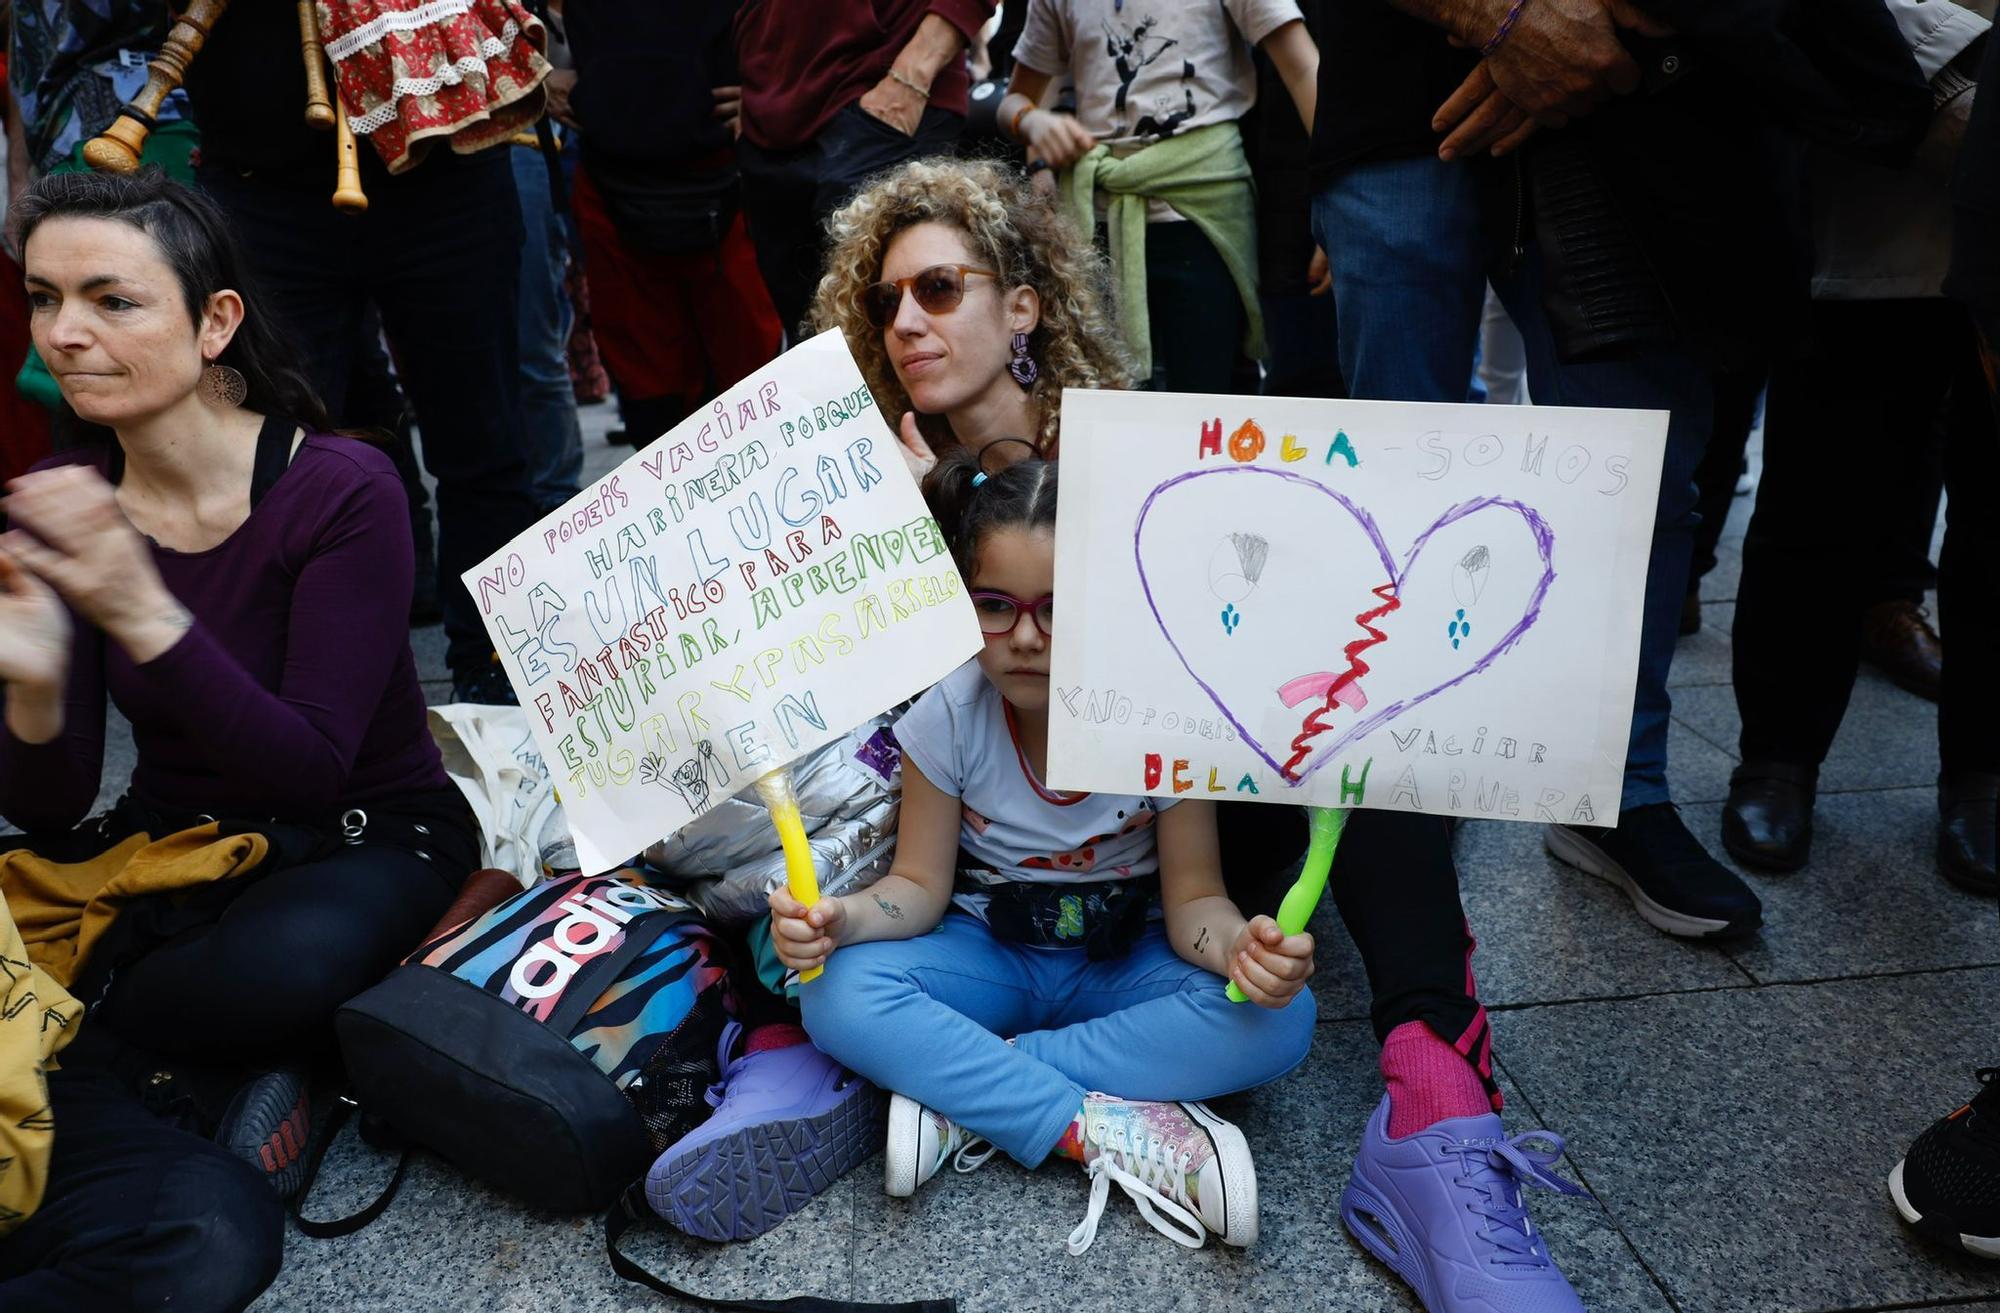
<point x="1408" y="606"/>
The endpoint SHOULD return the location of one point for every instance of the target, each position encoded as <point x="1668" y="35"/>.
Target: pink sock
<point x="1429" y="1080"/>
<point x="776" y="1036"/>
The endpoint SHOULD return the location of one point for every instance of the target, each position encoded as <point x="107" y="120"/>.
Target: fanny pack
<point x="1104" y="918"/>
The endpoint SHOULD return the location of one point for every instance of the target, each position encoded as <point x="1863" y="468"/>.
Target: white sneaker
<point x="920" y="1141"/>
<point x="1187" y="1169"/>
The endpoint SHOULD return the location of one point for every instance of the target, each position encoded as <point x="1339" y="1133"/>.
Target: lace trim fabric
<point x="381" y="25"/>
<point x="410" y="71"/>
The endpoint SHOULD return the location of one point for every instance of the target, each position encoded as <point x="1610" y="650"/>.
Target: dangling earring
<point x="222" y="385"/>
<point x="1023" y="366"/>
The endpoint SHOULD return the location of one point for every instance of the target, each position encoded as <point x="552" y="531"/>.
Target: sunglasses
<point x="938" y="290"/>
<point x="999" y="613"/>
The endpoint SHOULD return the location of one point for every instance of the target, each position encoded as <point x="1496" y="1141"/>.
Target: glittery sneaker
<point x="919" y="1144"/>
<point x="1948" y="1184"/>
<point x="1188" y="1170"/>
<point x="788" y="1123"/>
<point x="1446" y="1209"/>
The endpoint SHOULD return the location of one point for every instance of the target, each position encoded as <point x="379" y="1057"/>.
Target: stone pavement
<point x="1734" y="1111"/>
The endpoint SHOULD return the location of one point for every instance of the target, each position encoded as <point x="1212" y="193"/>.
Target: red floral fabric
<point x="411" y="71"/>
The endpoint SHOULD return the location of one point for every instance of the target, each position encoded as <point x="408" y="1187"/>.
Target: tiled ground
<point x="1734" y="1112"/>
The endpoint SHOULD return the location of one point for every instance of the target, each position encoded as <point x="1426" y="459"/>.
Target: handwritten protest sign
<point x="745" y="589"/>
<point x="1427" y="608"/>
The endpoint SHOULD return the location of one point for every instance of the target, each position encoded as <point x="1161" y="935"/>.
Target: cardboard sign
<point x="1428" y="608"/>
<point x="745" y="589"/>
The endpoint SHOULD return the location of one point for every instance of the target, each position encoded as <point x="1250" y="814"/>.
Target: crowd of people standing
<point x="1635" y="204"/>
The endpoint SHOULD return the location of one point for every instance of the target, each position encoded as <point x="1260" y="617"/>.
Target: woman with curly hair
<point x="970" y="303"/>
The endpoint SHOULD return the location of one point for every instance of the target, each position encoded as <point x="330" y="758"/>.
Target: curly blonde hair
<point x="1019" y="233"/>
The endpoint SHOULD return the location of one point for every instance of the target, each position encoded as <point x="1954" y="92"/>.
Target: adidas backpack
<point x="551" y="1046"/>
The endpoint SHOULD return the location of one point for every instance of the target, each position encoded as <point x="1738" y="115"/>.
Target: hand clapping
<point x="73" y="537"/>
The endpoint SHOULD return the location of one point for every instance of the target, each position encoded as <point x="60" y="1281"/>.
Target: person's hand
<point x="805" y="939"/>
<point x="34" y="627"/>
<point x="75" y="538"/>
<point x="1057" y="138"/>
<point x="729" y="107"/>
<point x="917" y="453"/>
<point x="1564" y="58"/>
<point x="558" y="84"/>
<point x="894" y="104"/>
<point x="1478" y="117"/>
<point x="1269" y="965"/>
<point x="1319" y="274"/>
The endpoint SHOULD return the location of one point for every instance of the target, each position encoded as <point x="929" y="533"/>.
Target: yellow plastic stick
<point x="801" y="876"/>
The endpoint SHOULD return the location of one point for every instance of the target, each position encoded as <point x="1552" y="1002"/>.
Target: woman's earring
<point x="1023" y="366"/>
<point x="222" y="385"/>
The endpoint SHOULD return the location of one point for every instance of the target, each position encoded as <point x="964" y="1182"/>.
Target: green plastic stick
<point x="1304" y="895"/>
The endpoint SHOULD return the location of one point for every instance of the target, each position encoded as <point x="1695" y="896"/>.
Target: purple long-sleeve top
<point x="293" y="693"/>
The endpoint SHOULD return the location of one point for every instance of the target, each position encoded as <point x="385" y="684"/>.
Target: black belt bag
<point x="1104" y="918"/>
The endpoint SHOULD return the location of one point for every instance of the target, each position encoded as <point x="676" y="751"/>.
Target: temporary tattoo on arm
<point x="1201" y="940"/>
<point x="889" y="909"/>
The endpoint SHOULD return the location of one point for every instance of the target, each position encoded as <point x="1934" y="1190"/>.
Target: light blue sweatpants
<point x="928" y="1017"/>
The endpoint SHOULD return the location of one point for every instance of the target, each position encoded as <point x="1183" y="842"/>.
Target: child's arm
<point x="1207" y="929"/>
<point x="1057" y="138"/>
<point x="907" y="902"/>
<point x="1292" y="51"/>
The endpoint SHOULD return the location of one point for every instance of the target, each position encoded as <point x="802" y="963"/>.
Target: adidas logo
<point x="595" y="922"/>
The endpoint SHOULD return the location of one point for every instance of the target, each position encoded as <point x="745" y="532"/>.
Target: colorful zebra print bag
<point x="552" y="1046"/>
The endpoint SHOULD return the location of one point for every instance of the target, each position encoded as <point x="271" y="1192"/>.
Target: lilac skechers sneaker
<point x="788" y="1123"/>
<point x="1445" y="1209"/>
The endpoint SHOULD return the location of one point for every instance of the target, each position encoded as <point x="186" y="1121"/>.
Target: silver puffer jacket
<point x="849" y="791"/>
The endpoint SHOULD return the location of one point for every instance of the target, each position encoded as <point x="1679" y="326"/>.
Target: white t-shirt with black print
<point x="1148" y="69"/>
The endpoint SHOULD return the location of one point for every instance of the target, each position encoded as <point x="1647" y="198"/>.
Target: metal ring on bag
<point x="353" y="825"/>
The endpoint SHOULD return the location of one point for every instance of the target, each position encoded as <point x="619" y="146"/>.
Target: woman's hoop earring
<point x="1023" y="366"/>
<point x="222" y="385"/>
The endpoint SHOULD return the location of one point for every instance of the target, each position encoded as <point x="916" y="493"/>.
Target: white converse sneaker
<point x="1176" y="1159"/>
<point x="920" y="1141"/>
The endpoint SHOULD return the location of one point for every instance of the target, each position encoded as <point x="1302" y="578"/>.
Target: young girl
<point x="943" y="353"/>
<point x="1045" y="970"/>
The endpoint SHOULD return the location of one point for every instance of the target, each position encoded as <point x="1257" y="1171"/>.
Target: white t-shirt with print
<point x="1148" y="69"/>
<point x="957" y="735"/>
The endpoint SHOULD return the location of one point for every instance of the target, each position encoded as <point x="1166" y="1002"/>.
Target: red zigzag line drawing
<point x="1315" y="723"/>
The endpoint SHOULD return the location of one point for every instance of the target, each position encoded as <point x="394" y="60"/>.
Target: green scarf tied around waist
<point x="1203" y="174"/>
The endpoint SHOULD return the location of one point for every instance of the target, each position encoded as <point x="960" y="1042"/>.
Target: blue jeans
<point x="927" y="1017"/>
<point x="548" y="403"/>
<point x="1405" y="243"/>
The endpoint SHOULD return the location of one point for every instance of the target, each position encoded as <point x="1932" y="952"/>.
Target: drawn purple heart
<point x="1538" y="527"/>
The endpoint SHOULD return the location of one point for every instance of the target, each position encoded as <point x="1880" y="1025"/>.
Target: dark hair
<point x="969" y="502"/>
<point x="194" y="238"/>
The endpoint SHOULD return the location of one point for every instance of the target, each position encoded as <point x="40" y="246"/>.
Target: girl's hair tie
<point x="979" y="478"/>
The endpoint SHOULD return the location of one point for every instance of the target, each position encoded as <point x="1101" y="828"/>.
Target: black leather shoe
<point x="1968" y="819"/>
<point x="1767" y="822"/>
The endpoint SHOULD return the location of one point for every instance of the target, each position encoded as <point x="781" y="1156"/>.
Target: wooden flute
<point x="323" y="109"/>
<point x="118" y="149"/>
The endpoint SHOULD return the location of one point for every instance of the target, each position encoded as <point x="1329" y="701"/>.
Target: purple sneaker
<point x="1444" y="1208"/>
<point x="787" y="1124"/>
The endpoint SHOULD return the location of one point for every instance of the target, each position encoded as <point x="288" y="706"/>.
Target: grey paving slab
<point x="1547" y="931"/>
<point x="1741" y="1139"/>
<point x="1887" y="740"/>
<point x="1703" y="656"/>
<point x="993" y="1239"/>
<point x="448" y="1245"/>
<point x="427" y="645"/>
<point x="1697" y="769"/>
<point x="1870" y="900"/>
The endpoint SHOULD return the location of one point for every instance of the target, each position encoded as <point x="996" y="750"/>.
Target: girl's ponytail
<point x="968" y="501"/>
